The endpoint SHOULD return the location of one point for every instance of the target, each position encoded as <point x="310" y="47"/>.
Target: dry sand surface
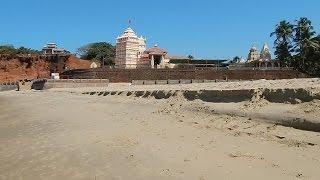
<point x="65" y="134"/>
<point x="271" y="84"/>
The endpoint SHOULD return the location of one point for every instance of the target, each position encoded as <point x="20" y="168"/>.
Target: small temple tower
<point x="265" y="53"/>
<point x="129" y="47"/>
<point x="253" y="54"/>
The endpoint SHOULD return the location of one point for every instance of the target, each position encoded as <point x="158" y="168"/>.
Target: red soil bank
<point x="76" y="63"/>
<point x="35" y="67"/>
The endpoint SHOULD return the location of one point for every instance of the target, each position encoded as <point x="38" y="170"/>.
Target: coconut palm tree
<point x="304" y="39"/>
<point x="283" y="32"/>
<point x="283" y="41"/>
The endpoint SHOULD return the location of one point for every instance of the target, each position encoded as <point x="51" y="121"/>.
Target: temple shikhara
<point x="131" y="53"/>
<point x="263" y="56"/>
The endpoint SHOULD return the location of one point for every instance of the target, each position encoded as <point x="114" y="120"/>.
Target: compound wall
<point x="8" y="86"/>
<point x="69" y="83"/>
<point x="127" y="75"/>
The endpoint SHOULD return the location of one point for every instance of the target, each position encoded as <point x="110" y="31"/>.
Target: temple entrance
<point x="156" y="57"/>
<point x="157" y="60"/>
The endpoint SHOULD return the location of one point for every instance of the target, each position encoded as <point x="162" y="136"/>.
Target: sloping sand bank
<point x="273" y="105"/>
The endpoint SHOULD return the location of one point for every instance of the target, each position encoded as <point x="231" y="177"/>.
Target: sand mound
<point x="311" y="107"/>
<point x="252" y="96"/>
<point x="242" y="102"/>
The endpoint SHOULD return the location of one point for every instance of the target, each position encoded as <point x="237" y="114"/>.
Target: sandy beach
<point x="90" y="134"/>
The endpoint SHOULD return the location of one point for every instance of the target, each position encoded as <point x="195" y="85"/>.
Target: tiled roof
<point x="155" y="50"/>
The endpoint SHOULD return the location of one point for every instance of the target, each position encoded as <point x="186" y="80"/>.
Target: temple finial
<point x="129" y="22"/>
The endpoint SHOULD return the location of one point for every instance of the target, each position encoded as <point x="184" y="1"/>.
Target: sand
<point x="271" y="84"/>
<point x="65" y="134"/>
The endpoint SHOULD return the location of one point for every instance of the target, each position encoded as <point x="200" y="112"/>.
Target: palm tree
<point x="283" y="32"/>
<point x="283" y="41"/>
<point x="304" y="39"/>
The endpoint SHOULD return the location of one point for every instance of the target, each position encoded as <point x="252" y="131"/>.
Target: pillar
<point x="162" y="61"/>
<point x="152" y="61"/>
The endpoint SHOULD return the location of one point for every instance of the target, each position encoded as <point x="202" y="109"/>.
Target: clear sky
<point x="206" y="28"/>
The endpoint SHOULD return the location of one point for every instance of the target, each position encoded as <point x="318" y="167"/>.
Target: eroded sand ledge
<point x="246" y="99"/>
<point x="293" y="96"/>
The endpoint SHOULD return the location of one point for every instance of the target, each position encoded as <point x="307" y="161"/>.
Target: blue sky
<point x="206" y="28"/>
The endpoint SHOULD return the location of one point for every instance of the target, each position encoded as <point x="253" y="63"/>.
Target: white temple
<point x="129" y="47"/>
<point x="131" y="52"/>
<point x="265" y="54"/>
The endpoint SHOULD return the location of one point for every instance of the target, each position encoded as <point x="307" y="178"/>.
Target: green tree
<point x="8" y="50"/>
<point x="316" y="58"/>
<point x="101" y="51"/>
<point x="305" y="41"/>
<point x="11" y="52"/>
<point x="312" y="62"/>
<point x="283" y="42"/>
<point x="190" y="57"/>
<point x="236" y="59"/>
<point x="24" y="50"/>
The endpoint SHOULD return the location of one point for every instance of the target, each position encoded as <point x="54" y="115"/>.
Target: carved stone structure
<point x="52" y="49"/>
<point x="265" y="54"/>
<point x="131" y="53"/>
<point x="154" y="57"/>
<point x="129" y="48"/>
<point x="254" y="55"/>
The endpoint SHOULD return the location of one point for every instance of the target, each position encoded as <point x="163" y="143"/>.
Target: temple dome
<point x="129" y="30"/>
<point x="253" y="48"/>
<point x="129" y="33"/>
<point x="156" y="50"/>
<point x="265" y="53"/>
<point x="265" y="47"/>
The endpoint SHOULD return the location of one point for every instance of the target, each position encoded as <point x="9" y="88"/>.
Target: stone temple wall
<point x="127" y="75"/>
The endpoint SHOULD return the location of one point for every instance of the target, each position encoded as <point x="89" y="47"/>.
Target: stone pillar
<point x="152" y="61"/>
<point x="162" y="61"/>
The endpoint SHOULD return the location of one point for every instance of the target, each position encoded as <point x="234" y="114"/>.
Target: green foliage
<point x="11" y="52"/>
<point x="236" y="59"/>
<point x="297" y="45"/>
<point x="23" y="50"/>
<point x="101" y="51"/>
<point x="8" y="50"/>
<point x="190" y="57"/>
<point x="283" y="42"/>
<point x="306" y="47"/>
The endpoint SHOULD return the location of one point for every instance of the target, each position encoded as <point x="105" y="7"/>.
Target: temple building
<point x="52" y="49"/>
<point x="265" y="54"/>
<point x="262" y="59"/>
<point x="129" y="48"/>
<point x="254" y="55"/>
<point x="154" y="57"/>
<point x="131" y="53"/>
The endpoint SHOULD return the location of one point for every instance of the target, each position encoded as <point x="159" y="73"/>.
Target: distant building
<point x="131" y="52"/>
<point x="253" y="54"/>
<point x="52" y="49"/>
<point x="129" y="48"/>
<point x="95" y="64"/>
<point x="154" y="57"/>
<point x="240" y="60"/>
<point x="263" y="56"/>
